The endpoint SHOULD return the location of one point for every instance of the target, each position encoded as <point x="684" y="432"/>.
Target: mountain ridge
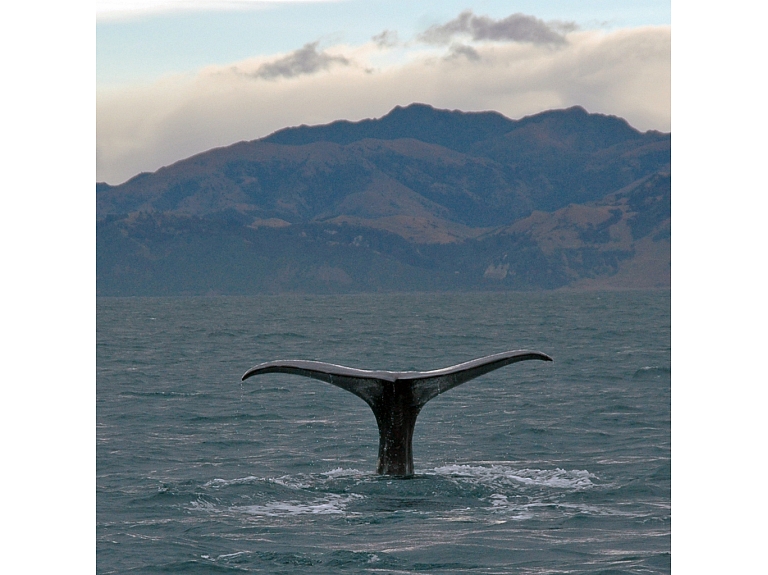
<point x="481" y="181"/>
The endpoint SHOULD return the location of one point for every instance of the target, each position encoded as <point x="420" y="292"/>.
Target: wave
<point x="330" y="559"/>
<point x="500" y="474"/>
<point x="651" y="371"/>
<point x="179" y="394"/>
<point x="298" y="481"/>
<point x="450" y="492"/>
<point x="489" y="476"/>
<point x="251" y="479"/>
<point x="332" y="504"/>
<point x="329" y="504"/>
<point x="500" y="503"/>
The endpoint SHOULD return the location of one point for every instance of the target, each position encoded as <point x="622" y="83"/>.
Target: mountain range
<point x="420" y="199"/>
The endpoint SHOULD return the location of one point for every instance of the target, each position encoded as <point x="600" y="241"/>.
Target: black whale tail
<point x="396" y="398"/>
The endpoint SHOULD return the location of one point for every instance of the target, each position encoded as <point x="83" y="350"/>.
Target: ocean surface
<point x="537" y="467"/>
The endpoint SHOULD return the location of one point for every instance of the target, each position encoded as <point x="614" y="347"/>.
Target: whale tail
<point x="395" y="397"/>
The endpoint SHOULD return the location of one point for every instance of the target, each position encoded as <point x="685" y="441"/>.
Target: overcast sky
<point x="179" y="77"/>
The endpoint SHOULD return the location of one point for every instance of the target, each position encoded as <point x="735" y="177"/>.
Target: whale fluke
<point x="396" y="397"/>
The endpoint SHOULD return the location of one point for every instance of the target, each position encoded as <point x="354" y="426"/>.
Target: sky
<point x="178" y="77"/>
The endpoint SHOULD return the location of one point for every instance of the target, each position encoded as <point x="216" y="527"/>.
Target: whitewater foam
<point x="500" y="474"/>
<point x="330" y="505"/>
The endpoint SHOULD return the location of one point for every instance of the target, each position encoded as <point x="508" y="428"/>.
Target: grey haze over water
<point x="534" y="468"/>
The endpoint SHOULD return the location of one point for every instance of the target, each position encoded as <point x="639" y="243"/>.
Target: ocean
<point x="537" y="467"/>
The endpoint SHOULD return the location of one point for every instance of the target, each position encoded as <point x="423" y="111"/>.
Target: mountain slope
<point x="419" y="199"/>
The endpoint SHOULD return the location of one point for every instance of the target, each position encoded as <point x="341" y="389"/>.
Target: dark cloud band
<point x="459" y="50"/>
<point x="305" y="60"/>
<point x="386" y="39"/>
<point x="514" y="28"/>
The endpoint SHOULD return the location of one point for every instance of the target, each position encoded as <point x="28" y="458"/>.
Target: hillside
<point x="421" y="199"/>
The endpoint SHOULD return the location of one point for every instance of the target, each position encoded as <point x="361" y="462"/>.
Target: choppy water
<point x="538" y="467"/>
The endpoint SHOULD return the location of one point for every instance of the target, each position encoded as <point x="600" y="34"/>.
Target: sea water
<point x="537" y="467"/>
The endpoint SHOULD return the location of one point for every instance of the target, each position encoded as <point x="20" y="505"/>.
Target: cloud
<point x="626" y="73"/>
<point x="122" y="9"/>
<point x="458" y="50"/>
<point x="514" y="28"/>
<point x="305" y="60"/>
<point x="386" y="39"/>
